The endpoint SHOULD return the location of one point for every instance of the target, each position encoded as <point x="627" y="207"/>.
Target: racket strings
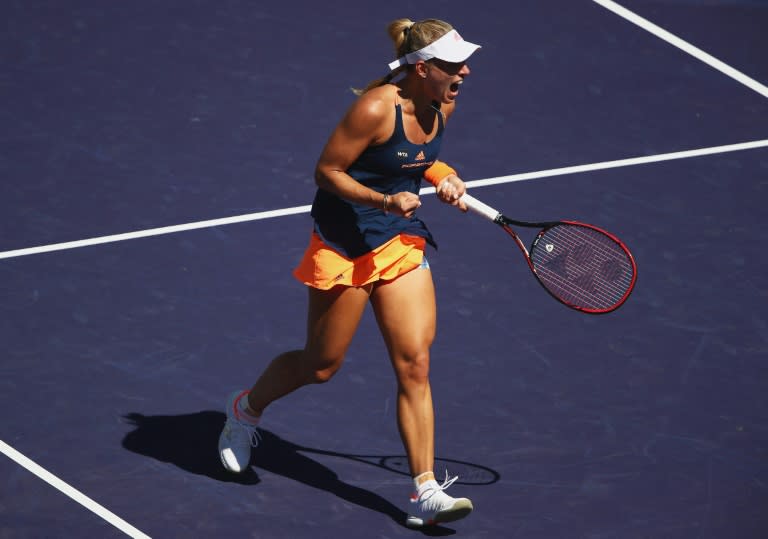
<point x="582" y="266"/>
<point x="581" y="273"/>
<point x="601" y="276"/>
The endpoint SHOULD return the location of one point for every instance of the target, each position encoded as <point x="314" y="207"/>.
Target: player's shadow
<point x="190" y="442"/>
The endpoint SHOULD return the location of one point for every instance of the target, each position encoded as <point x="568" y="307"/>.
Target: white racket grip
<point x="480" y="208"/>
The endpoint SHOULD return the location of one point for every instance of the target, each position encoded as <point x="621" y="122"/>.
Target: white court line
<point x="672" y="39"/>
<point x="632" y="161"/>
<point x="427" y="190"/>
<point x="153" y="232"/>
<point x="72" y="492"/>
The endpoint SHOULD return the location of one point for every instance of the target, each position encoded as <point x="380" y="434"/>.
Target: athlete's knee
<point x="413" y="368"/>
<point x="322" y="369"/>
<point x="322" y="376"/>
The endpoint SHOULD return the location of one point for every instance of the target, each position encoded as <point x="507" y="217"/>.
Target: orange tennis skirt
<point x="323" y="268"/>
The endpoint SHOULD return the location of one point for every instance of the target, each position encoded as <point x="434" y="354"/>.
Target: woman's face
<point x="445" y="78"/>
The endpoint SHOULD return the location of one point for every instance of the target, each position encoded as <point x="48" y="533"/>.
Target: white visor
<point x="451" y="48"/>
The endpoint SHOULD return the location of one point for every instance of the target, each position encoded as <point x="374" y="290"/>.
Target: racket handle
<point x="480" y="208"/>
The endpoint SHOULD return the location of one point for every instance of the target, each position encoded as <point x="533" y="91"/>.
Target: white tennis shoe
<point x="238" y="436"/>
<point x="433" y="505"/>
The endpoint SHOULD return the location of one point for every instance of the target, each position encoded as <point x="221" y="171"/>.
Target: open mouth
<point x="454" y="88"/>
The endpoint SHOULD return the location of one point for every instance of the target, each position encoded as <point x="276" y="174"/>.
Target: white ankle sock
<point x="421" y="487"/>
<point x="242" y="407"/>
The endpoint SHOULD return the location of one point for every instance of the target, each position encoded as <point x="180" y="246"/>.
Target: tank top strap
<point x="399" y="133"/>
<point x="440" y="119"/>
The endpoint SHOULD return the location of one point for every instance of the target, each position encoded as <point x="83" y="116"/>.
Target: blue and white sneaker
<point x="238" y="437"/>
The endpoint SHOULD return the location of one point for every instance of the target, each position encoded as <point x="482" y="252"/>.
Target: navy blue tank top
<point x="395" y="166"/>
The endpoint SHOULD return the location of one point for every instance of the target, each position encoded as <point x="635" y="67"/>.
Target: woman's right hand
<point x="450" y="190"/>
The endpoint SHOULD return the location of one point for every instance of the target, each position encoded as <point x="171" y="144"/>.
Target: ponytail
<point x="399" y="31"/>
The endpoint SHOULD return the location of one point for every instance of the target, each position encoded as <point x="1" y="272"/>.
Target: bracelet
<point x="385" y="204"/>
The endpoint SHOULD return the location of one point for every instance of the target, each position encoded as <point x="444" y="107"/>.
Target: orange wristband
<point x="437" y="172"/>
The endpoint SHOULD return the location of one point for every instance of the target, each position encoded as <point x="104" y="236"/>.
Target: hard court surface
<point x="117" y="356"/>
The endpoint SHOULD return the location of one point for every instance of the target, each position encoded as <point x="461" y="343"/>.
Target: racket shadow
<point x="189" y="441"/>
<point x="467" y="472"/>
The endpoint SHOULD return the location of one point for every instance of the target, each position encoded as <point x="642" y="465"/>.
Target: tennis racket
<point x="580" y="265"/>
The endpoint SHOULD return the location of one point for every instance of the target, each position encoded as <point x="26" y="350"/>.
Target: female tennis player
<point x="368" y="246"/>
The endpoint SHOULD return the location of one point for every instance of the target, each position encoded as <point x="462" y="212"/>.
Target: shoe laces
<point x="425" y="500"/>
<point x="448" y="482"/>
<point x="248" y="429"/>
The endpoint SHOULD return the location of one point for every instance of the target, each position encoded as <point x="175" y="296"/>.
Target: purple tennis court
<point x="156" y="165"/>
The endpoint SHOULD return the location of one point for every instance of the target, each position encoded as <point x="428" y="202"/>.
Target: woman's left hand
<point x="450" y="190"/>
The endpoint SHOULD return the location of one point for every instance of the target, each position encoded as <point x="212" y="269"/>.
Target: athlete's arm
<point x="369" y="121"/>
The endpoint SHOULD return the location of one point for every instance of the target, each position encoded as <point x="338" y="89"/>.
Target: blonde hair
<point x="409" y="36"/>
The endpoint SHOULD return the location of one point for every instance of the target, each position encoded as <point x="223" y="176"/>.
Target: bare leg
<point x="406" y="314"/>
<point x="332" y="320"/>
